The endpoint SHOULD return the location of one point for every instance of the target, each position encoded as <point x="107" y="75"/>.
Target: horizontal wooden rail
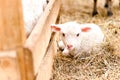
<point x="45" y="69"/>
<point x="39" y="38"/>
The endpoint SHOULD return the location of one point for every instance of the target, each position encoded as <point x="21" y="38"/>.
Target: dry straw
<point x="102" y="64"/>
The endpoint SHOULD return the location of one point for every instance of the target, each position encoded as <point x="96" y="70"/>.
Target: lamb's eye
<point x="63" y="34"/>
<point x="77" y="34"/>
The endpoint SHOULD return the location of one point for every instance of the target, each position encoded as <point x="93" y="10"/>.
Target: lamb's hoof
<point x="106" y="6"/>
<point x="94" y="13"/>
<point x="109" y="13"/>
<point x="61" y="49"/>
<point x="47" y="1"/>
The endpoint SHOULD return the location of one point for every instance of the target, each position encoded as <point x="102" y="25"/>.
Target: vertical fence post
<point x="12" y="35"/>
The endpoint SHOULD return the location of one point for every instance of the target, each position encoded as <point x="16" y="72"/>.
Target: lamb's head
<point x="70" y="34"/>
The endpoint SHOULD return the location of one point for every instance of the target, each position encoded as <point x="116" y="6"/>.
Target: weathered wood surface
<point x="45" y="69"/>
<point x="9" y="67"/>
<point x="12" y="32"/>
<point x="39" y="39"/>
<point x="12" y="38"/>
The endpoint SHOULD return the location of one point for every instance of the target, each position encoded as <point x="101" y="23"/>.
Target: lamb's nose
<point x="69" y="46"/>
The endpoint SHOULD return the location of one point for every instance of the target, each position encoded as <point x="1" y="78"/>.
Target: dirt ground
<point x="103" y="64"/>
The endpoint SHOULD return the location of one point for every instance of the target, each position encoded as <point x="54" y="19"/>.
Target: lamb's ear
<point x="55" y="28"/>
<point x="86" y="29"/>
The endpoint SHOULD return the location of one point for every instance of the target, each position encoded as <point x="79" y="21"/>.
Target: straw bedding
<point x="102" y="64"/>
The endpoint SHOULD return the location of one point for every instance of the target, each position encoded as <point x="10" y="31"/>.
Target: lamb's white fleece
<point x="32" y="9"/>
<point x="77" y="37"/>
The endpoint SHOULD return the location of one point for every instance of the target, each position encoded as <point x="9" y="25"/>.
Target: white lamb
<point x="32" y="10"/>
<point x="77" y="37"/>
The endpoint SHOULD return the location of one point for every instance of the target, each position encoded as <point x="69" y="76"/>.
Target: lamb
<point x="76" y="38"/>
<point x="108" y="5"/>
<point x="32" y="10"/>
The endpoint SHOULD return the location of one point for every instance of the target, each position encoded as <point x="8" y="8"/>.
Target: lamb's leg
<point x="61" y="45"/>
<point x="63" y="48"/>
<point x="109" y="11"/>
<point x="95" y="8"/>
<point x="47" y="1"/>
<point x="65" y="51"/>
<point x="106" y="4"/>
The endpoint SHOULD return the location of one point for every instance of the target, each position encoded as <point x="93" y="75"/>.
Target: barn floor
<point x="103" y="64"/>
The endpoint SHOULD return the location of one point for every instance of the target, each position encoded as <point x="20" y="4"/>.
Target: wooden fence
<point x="24" y="58"/>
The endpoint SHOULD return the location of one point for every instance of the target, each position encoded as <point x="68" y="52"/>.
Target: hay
<point x="103" y="64"/>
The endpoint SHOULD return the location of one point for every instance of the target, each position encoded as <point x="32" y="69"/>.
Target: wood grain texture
<point x="39" y="39"/>
<point x="45" y="69"/>
<point x="12" y="37"/>
<point x="11" y="24"/>
<point x="9" y="68"/>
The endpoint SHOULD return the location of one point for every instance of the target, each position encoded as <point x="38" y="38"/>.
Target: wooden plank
<point x="11" y="53"/>
<point x="9" y="69"/>
<point x="40" y="36"/>
<point x="12" y="36"/>
<point x="21" y="60"/>
<point x="25" y="63"/>
<point x="8" y="65"/>
<point x="46" y="65"/>
<point x="11" y="24"/>
<point x="29" y="64"/>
